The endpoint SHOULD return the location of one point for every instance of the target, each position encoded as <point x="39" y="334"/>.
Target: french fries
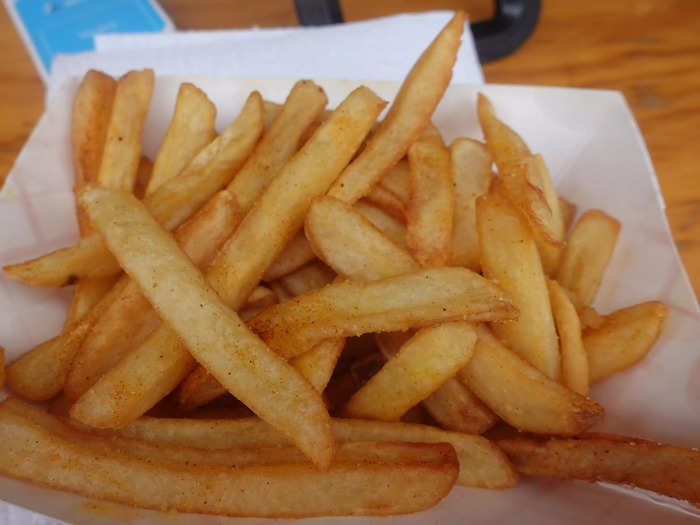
<point x="623" y="339"/>
<point x="295" y="254"/>
<point x="388" y="225"/>
<point x="509" y="256"/>
<point x="408" y="116"/>
<point x="397" y="181"/>
<point x="215" y="335"/>
<point x="393" y="304"/>
<point x="420" y="367"/>
<point x="668" y="470"/>
<point x="521" y="395"/>
<point x="430" y="210"/>
<point x="588" y="250"/>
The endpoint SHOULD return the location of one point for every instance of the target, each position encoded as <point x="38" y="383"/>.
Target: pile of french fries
<point x="318" y="312"/>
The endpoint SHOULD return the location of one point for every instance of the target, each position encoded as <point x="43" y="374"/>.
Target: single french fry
<point x="666" y="469"/>
<point x="386" y="201"/>
<point x="471" y="174"/>
<point x="261" y="297"/>
<point x="452" y="405"/>
<point x="388" y="225"/>
<point x="295" y="254"/>
<point x="317" y="364"/>
<point x="352" y="308"/>
<point x="482" y="464"/>
<point x="408" y="116"/>
<point x="87" y="294"/>
<point x="212" y="332"/>
<point x="171" y="204"/>
<point x="131" y="318"/>
<point x="122" y="146"/>
<point x="307" y="278"/>
<point x="351" y="245"/>
<point x="397" y="181"/>
<point x="587" y="253"/>
<point x="420" y="367"/>
<point x="504" y="144"/>
<point x="568" y="212"/>
<point x="430" y="210"/>
<point x="143" y="175"/>
<point x="623" y="339"/>
<point x="521" y="395"/>
<point x="574" y="361"/>
<point x="317" y="163"/>
<point x="509" y="256"/>
<point x="191" y="129"/>
<point x="372" y="478"/>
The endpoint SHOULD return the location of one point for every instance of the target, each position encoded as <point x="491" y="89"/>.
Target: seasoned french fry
<point x="430" y="210"/>
<point x="574" y="361"/>
<point x="504" y="144"/>
<point x="509" y="257"/>
<point x="317" y="365"/>
<point x="482" y="464"/>
<point x="419" y="368"/>
<point x="87" y="294"/>
<point x="190" y="130"/>
<point x="397" y="303"/>
<point x="309" y="277"/>
<point x="521" y="395"/>
<point x="408" y="116"/>
<point x="295" y="254"/>
<point x="623" y="339"/>
<point x="397" y="181"/>
<point x="122" y="146"/>
<point x="261" y="297"/>
<point x="143" y="175"/>
<point x="588" y="250"/>
<point x="351" y="245"/>
<point x="171" y="204"/>
<point x="471" y="174"/>
<point x="373" y="478"/>
<point x="130" y="318"/>
<point x="388" y="225"/>
<point x="386" y="201"/>
<point x="668" y="470"/>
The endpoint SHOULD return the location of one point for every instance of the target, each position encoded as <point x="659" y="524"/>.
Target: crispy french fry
<point x="430" y="210"/>
<point x="317" y="163"/>
<point x="574" y="361"/>
<point x="261" y="297"/>
<point x="420" y="367"/>
<point x="505" y="145"/>
<point x="272" y="109"/>
<point x="521" y="395"/>
<point x="87" y="294"/>
<point x="317" y="365"/>
<point x="131" y="318"/>
<point x="388" y="225"/>
<point x="482" y="464"/>
<point x="393" y="304"/>
<point x="452" y="405"/>
<point x="171" y="204"/>
<point x="190" y="130"/>
<point x="471" y="174"/>
<point x="143" y="175"/>
<point x="623" y="339"/>
<point x="588" y="250"/>
<point x="351" y="245"/>
<point x="295" y="254"/>
<point x="373" y="478"/>
<point x="122" y="146"/>
<point x="509" y="256"/>
<point x="408" y="116"/>
<point x="568" y="212"/>
<point x="386" y="201"/>
<point x="309" y="277"/>
<point x="668" y="470"/>
<point x="397" y="181"/>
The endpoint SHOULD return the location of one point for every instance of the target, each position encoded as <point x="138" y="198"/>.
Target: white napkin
<point x="380" y="49"/>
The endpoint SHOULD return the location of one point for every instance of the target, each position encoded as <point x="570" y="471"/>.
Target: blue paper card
<point x="49" y="27"/>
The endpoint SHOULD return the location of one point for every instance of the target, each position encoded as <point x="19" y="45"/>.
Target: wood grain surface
<point x="648" y="49"/>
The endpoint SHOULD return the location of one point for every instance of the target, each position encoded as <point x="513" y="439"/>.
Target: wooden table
<point x="648" y="49"/>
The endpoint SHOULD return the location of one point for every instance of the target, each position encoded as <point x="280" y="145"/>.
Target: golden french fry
<point x="482" y="464"/>
<point x="261" y="297"/>
<point x="351" y="245"/>
<point x="420" y="367"/>
<point x="122" y="146"/>
<point x="40" y="374"/>
<point x="388" y="225"/>
<point x="171" y="204"/>
<point x="386" y="201"/>
<point x="521" y="395"/>
<point x="143" y="175"/>
<point x="471" y="174"/>
<point x="213" y="333"/>
<point x="504" y="144"/>
<point x="623" y="338"/>
<point x="87" y="294"/>
<point x="509" y="256"/>
<point x="190" y="130"/>
<point x="668" y="470"/>
<point x="317" y="364"/>
<point x="410" y="113"/>
<point x="397" y="181"/>
<point x="130" y="318"/>
<point x="372" y="478"/>
<point x="393" y="304"/>
<point x="272" y="109"/>
<point x="568" y="212"/>
<point x="309" y="277"/>
<point x="590" y="319"/>
<point x="587" y="253"/>
<point x="574" y="361"/>
<point x="295" y="254"/>
<point x="430" y="210"/>
<point x="452" y="405"/>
